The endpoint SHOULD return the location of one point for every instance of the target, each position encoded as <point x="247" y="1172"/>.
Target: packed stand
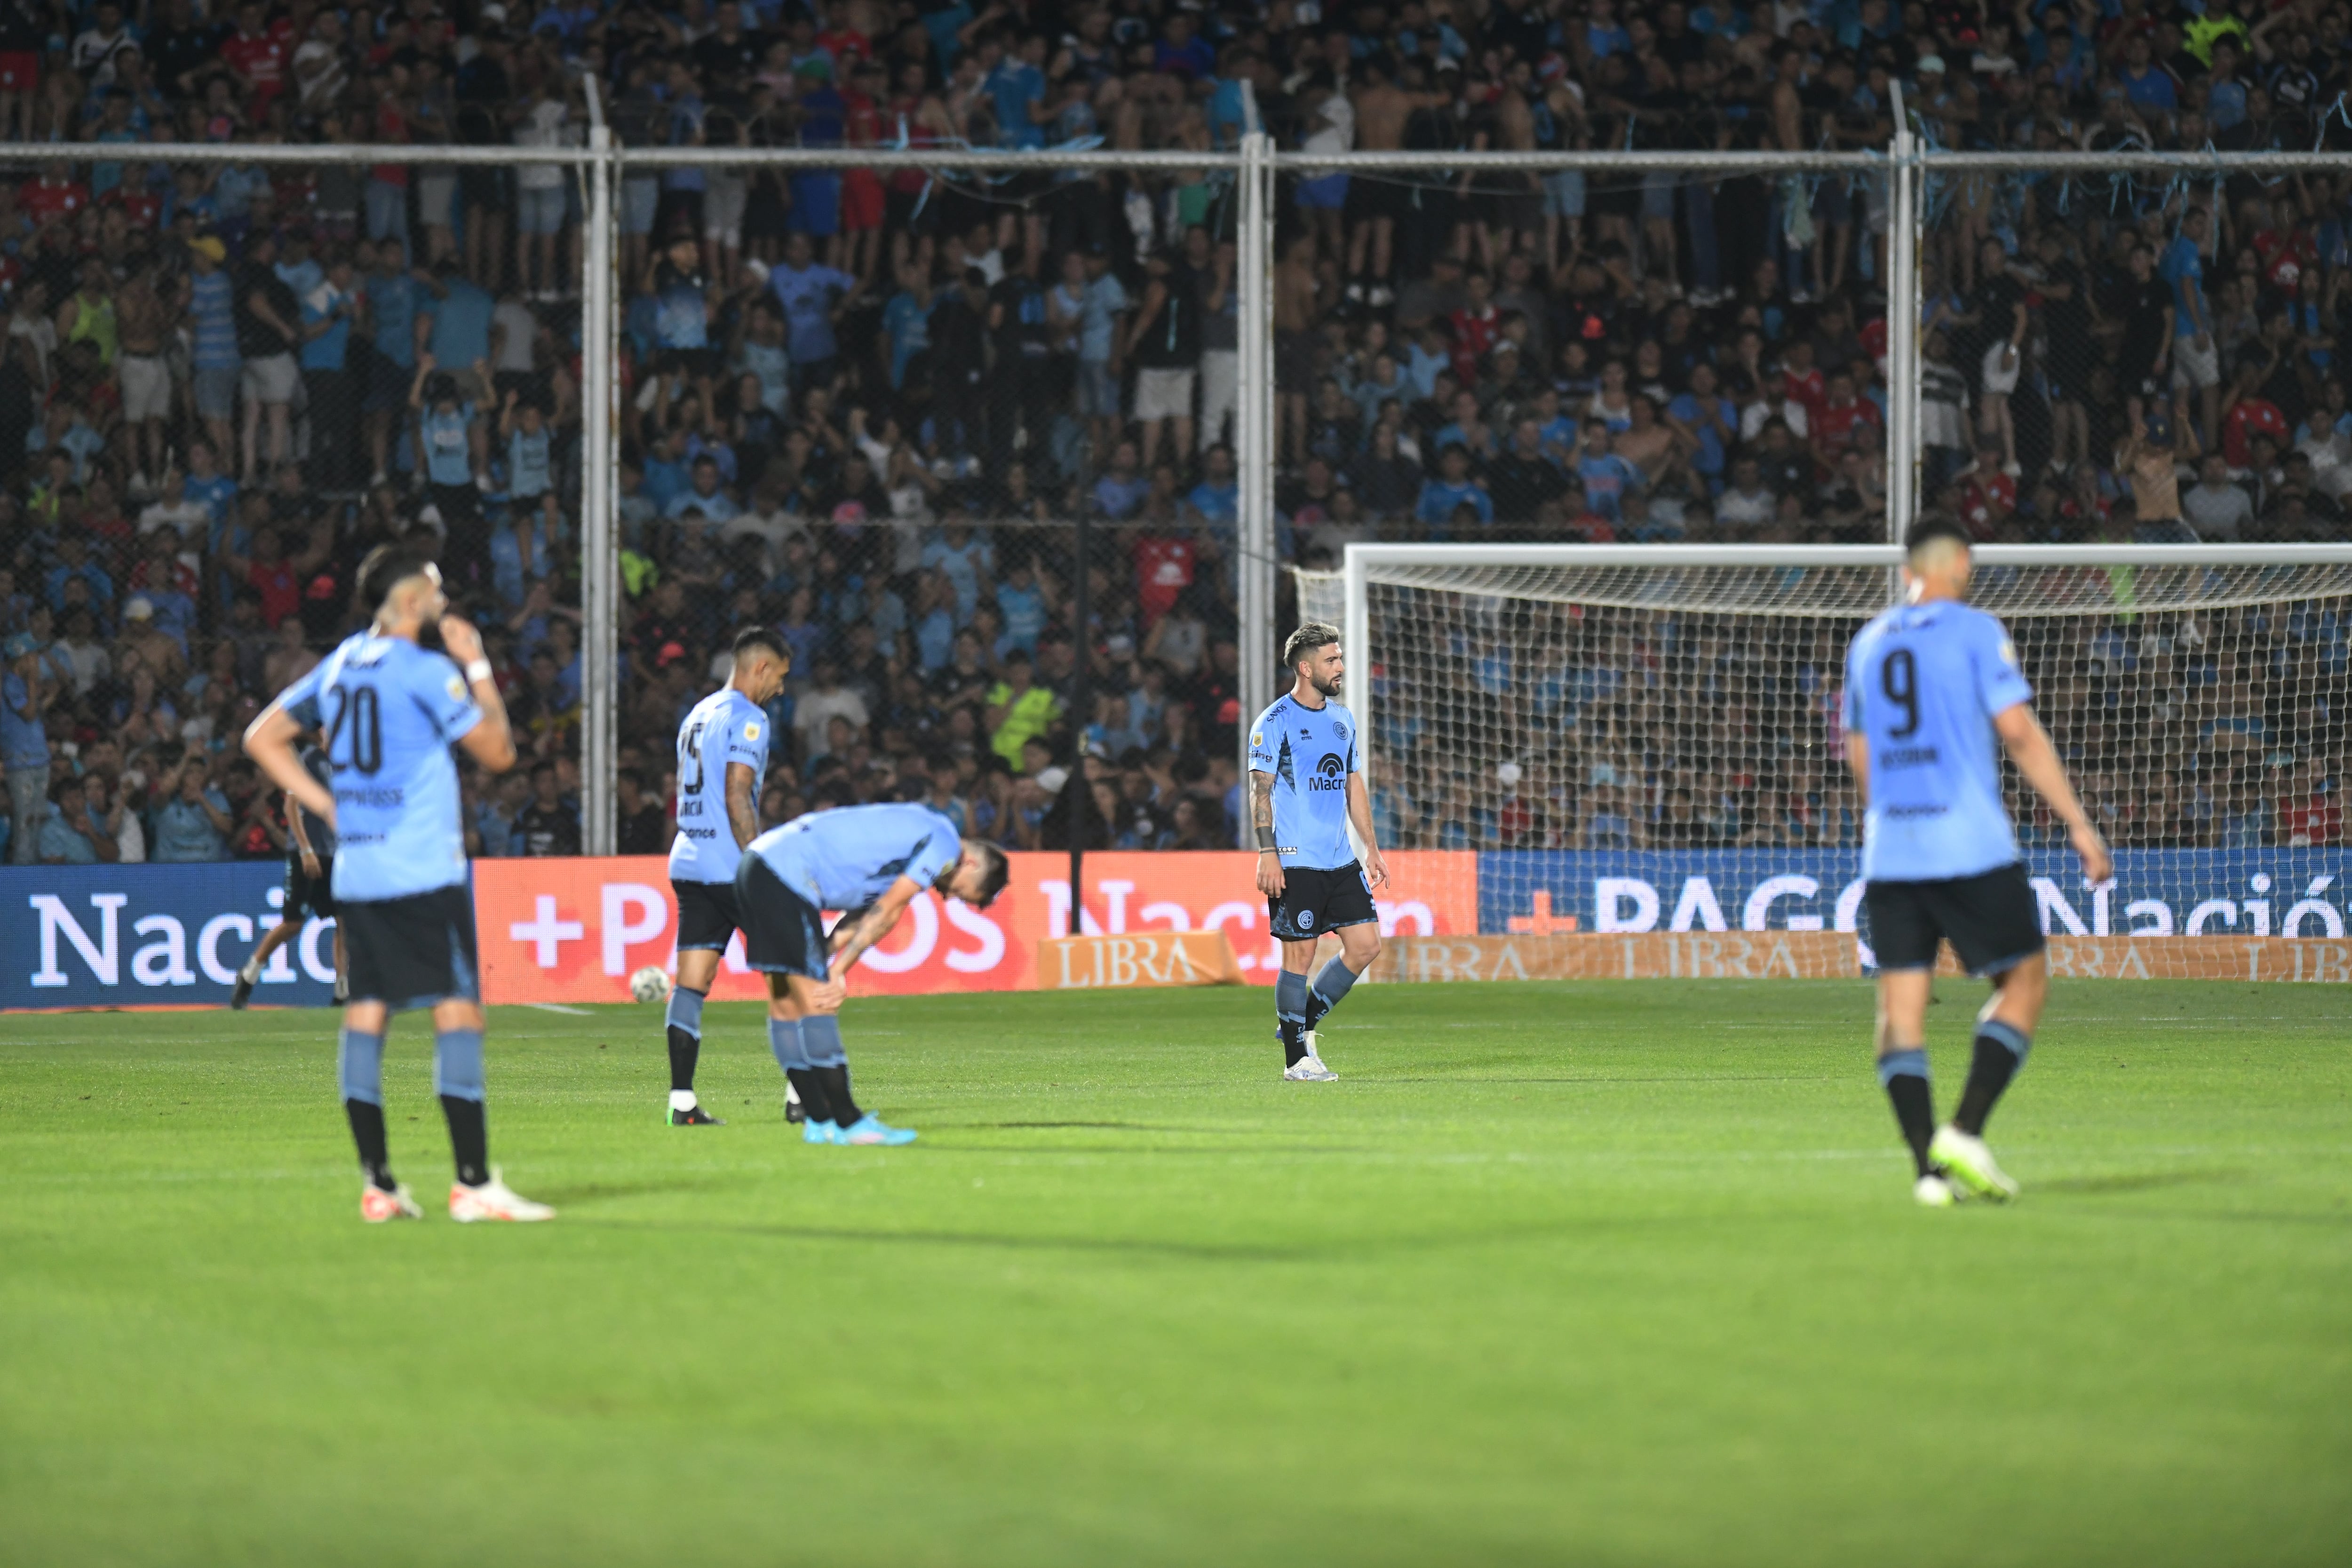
<point x="865" y="406"/>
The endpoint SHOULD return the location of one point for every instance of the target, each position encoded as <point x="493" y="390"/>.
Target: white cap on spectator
<point x="1051" y="780"/>
<point x="139" y="609"/>
<point x="1930" y="65"/>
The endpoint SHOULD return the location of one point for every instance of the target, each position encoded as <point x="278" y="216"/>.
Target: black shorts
<point x="412" y="952"/>
<point x="783" y="933"/>
<point x="1990" y="920"/>
<point x="1379" y="196"/>
<point x="309" y="895"/>
<point x="706" y="915"/>
<point x="1313" y="901"/>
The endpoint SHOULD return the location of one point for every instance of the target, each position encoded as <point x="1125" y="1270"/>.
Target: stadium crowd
<point x="862" y="407"/>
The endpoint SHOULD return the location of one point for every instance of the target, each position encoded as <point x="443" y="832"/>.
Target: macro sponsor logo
<point x="1331" y="773"/>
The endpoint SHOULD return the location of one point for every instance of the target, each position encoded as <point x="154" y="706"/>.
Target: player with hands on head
<point x="1933" y="694"/>
<point x="1307" y="786"/>
<point x="874" y="861"/>
<point x="391" y="711"/>
<point x="722" y="755"/>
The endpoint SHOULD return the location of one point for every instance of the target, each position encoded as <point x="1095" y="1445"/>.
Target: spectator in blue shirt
<point x="26" y="690"/>
<point x="194" y="823"/>
<point x="1451" y="487"/>
<point x="68" y="837"/>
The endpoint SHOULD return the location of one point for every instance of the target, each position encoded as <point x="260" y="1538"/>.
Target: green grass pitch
<point x="1597" y="1274"/>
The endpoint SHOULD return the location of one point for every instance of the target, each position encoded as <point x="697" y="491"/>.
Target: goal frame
<point x="1361" y="559"/>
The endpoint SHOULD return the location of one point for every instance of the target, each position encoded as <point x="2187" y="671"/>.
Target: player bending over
<point x="874" y="860"/>
<point x="1928" y="686"/>
<point x="1306" y="783"/>
<point x="722" y="755"/>
<point x="310" y="886"/>
<point x="391" y="711"/>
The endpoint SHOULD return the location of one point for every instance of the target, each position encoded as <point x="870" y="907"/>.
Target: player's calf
<point x="683" y="1026"/>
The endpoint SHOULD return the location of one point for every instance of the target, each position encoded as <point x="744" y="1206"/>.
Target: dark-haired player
<point x="310" y="884"/>
<point x="391" y="711"/>
<point x="722" y="755"/>
<point x="1307" y="783"/>
<point x="871" y="860"/>
<point x="1932" y="694"/>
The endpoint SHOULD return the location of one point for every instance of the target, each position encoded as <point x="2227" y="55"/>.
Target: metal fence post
<point x="600" y="550"/>
<point x="1902" y="327"/>
<point x="1254" y="421"/>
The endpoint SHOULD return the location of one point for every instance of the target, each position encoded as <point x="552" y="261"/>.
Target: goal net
<point x="1647" y="739"/>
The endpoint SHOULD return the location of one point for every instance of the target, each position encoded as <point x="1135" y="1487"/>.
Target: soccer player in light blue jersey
<point x="872" y="860"/>
<point x="722" y="755"/>
<point x="1307" y="785"/>
<point x="391" y="709"/>
<point x="1932" y="693"/>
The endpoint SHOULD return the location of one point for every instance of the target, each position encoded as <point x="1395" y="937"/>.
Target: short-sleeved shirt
<point x="724" y="728"/>
<point x="806" y="295"/>
<point x="2184" y="268"/>
<point x="848" y="857"/>
<point x="1923" y="684"/>
<point x="1310" y="751"/>
<point x="23" y="742"/>
<point x="1105" y="298"/>
<point x="392" y="711"/>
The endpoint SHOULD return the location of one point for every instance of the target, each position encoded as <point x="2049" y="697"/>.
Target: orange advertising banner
<point x="575" y="931"/>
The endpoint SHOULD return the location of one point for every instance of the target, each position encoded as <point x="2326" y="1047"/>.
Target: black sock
<point x="1905" y="1076"/>
<point x="685" y="1050"/>
<point x="1294" y="1042"/>
<point x="2000" y="1052"/>
<point x="833" y="1083"/>
<point x="375" y="1153"/>
<point x="469" y="1139"/>
<point x="813" y="1103"/>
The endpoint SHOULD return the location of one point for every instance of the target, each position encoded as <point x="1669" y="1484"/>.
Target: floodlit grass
<point x="1617" y="1273"/>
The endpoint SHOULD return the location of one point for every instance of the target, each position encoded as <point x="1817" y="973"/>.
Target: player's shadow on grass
<point x="1127" y="1246"/>
<point x="2139" y="1181"/>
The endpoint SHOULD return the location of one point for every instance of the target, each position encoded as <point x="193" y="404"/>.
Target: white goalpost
<point x="1632" y="739"/>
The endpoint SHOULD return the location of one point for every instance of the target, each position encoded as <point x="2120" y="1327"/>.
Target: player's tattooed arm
<point x="874" y="924"/>
<point x="1269" y="858"/>
<point x="742" y="810"/>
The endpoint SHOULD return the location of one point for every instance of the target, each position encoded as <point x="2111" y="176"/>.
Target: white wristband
<point x="479" y="669"/>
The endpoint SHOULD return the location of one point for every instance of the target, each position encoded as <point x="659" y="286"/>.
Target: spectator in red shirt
<point x="276" y="576"/>
<point x="1801" y="382"/>
<point x="257" y="57"/>
<point x="2308" y="816"/>
<point x="1477" y="325"/>
<point x="1841" y="416"/>
<point x="55" y="195"/>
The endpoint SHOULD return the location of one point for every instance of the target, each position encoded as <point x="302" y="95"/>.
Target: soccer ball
<point x="649" y="984"/>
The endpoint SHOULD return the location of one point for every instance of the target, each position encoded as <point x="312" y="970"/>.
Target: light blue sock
<point x="823" y="1033"/>
<point x="784" y="1039"/>
<point x="457" y="1064"/>
<point x="360" y="1058"/>
<point x="685" y="1011"/>
<point x="2019" y="1042"/>
<point x="1332" y="983"/>
<point x="1290" y="998"/>
<point x="1912" y="1063"/>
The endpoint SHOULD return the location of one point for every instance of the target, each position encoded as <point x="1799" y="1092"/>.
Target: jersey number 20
<point x="358" y="707"/>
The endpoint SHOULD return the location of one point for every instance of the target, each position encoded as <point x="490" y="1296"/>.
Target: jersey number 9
<point x="1899" y="678"/>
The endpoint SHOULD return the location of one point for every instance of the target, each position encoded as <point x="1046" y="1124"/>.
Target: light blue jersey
<point x="724" y="728"/>
<point x="1922" y="683"/>
<point x="1310" y="751"/>
<point x="847" y="857"/>
<point x="392" y="711"/>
